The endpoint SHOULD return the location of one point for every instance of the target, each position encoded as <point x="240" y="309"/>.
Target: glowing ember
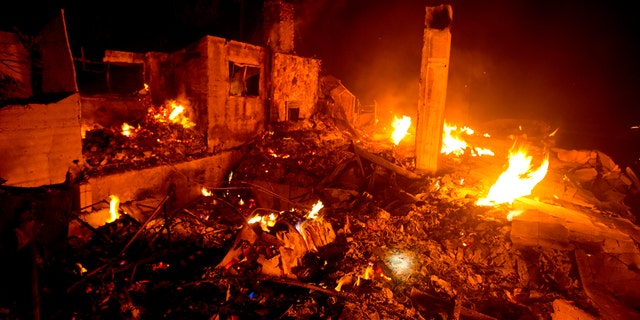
<point x="275" y="155"/>
<point x="313" y="214"/>
<point x="114" y="205"/>
<point x="401" y="126"/>
<point x="230" y="177"/>
<point x="518" y="180"/>
<point x="206" y="192"/>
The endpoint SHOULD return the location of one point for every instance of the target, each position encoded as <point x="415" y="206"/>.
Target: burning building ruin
<point x="229" y="180"/>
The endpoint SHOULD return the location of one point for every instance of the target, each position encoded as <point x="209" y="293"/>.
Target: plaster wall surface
<point x="38" y="142"/>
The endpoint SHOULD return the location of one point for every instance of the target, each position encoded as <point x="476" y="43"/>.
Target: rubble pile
<point x="385" y="244"/>
<point x="152" y="142"/>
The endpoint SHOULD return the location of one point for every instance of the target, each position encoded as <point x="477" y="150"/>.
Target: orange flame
<point x="313" y="214"/>
<point x="206" y="192"/>
<point x="368" y="273"/>
<point x="174" y="113"/>
<point x="453" y="143"/>
<point x="266" y="221"/>
<point x="518" y="180"/>
<point x="401" y="126"/>
<point x="177" y="116"/>
<point x="126" y="129"/>
<point x="114" y="205"/>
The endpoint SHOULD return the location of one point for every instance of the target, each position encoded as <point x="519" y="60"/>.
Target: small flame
<point x="126" y="129"/>
<point x="174" y="113"/>
<point x="313" y="214"/>
<point x="206" y="192"/>
<point x="266" y="221"/>
<point x="368" y="273"/>
<point x="518" y="180"/>
<point x="275" y="155"/>
<point x="514" y="213"/>
<point x="114" y="205"/>
<point x="177" y="116"/>
<point x="401" y="126"/>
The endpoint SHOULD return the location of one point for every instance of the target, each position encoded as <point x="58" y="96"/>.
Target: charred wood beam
<point x="385" y="164"/>
<point x="453" y="308"/>
<point x="93" y="230"/>
<point x="151" y="217"/>
<point x="124" y="249"/>
<point x="309" y="286"/>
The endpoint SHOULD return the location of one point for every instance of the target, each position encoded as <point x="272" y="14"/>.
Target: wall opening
<point x="244" y="80"/>
<point x="293" y="110"/>
<point x="109" y="78"/>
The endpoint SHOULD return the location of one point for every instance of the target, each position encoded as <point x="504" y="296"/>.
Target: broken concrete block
<point x="540" y="234"/>
<point x="564" y="310"/>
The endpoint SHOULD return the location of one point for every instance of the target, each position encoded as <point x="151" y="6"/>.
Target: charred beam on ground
<point x="384" y="163"/>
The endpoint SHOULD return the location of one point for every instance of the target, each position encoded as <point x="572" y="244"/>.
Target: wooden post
<point x="433" y="87"/>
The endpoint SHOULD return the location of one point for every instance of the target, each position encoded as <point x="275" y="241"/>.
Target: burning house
<point x="228" y="180"/>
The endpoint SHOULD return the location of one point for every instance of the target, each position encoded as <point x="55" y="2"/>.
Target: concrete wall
<point x="38" y="142"/>
<point x="202" y="75"/>
<point x="158" y="75"/>
<point x="188" y="179"/>
<point x="192" y="81"/>
<point x="294" y="79"/>
<point x="244" y="117"/>
<point x="111" y="111"/>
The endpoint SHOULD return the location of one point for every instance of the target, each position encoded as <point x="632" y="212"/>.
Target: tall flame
<point x="401" y="126"/>
<point x="114" y="205"/>
<point x="518" y="180"/>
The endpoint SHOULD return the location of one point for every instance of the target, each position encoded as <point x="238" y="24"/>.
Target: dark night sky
<point x="558" y="60"/>
<point x="571" y="63"/>
<point x="574" y="64"/>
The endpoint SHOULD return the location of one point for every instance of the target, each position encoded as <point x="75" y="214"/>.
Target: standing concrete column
<point x="433" y="87"/>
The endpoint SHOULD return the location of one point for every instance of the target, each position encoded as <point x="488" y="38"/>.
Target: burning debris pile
<point x="165" y="135"/>
<point x="311" y="224"/>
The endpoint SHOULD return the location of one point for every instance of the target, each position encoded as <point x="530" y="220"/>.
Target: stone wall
<point x="295" y="81"/>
